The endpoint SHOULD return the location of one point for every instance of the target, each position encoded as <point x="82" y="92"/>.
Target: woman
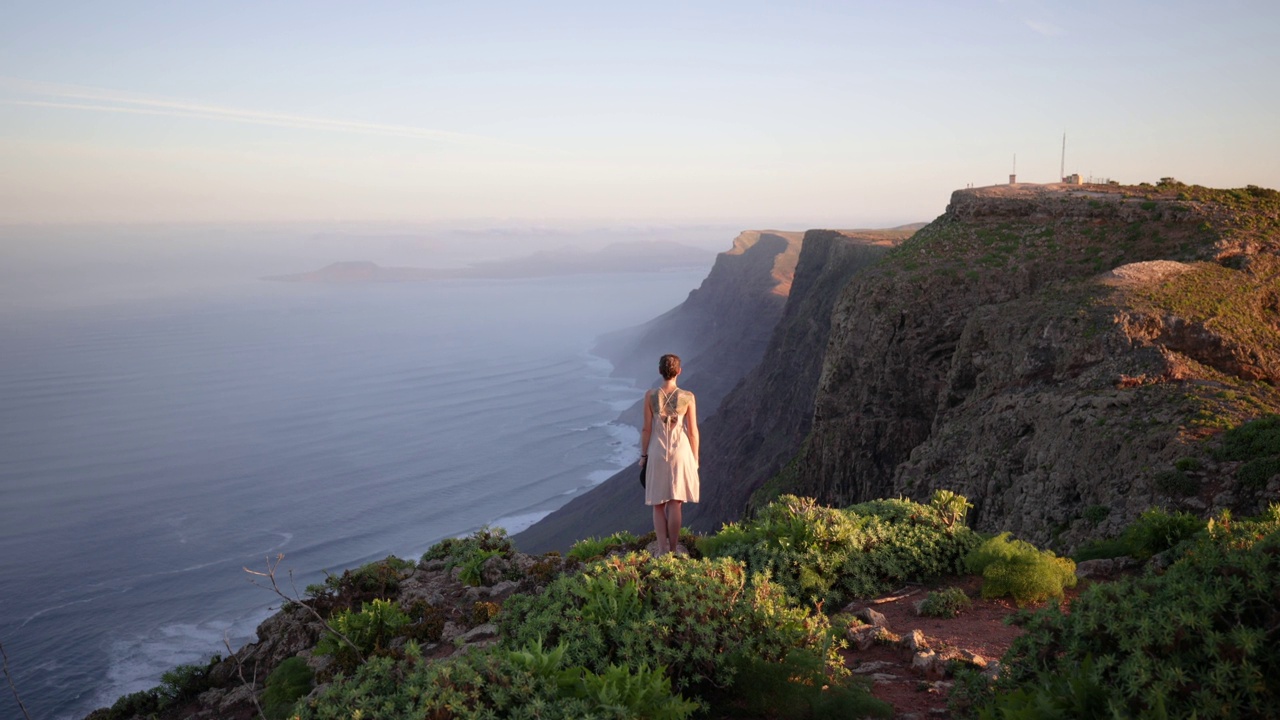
<point x="670" y="453"/>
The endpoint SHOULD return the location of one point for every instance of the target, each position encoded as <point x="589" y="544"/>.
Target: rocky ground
<point x="908" y="664"/>
<point x="907" y="656"/>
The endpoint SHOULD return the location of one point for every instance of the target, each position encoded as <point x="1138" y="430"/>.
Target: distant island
<point x="644" y="257"/>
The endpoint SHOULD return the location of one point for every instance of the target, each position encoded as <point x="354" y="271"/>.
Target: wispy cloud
<point x="1044" y="28"/>
<point x="78" y="97"/>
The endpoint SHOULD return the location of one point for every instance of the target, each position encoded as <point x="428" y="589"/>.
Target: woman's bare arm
<point x="691" y="428"/>
<point x="648" y="426"/>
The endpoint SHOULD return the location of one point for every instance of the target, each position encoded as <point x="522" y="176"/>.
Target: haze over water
<point x="152" y="447"/>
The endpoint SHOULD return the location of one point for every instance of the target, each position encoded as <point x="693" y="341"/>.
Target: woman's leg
<point x="674" y="514"/>
<point x="660" y="528"/>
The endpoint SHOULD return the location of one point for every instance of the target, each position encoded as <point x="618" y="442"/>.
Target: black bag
<point x="643" y="467"/>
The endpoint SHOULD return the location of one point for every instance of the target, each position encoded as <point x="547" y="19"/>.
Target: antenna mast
<point x="1062" y="171"/>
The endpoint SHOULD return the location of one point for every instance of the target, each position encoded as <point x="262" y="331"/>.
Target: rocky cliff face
<point x="721" y="328"/>
<point x="759" y="425"/>
<point x="1051" y="352"/>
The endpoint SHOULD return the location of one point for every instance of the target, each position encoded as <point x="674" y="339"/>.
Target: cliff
<point x="1061" y="355"/>
<point x="758" y="425"/>
<point x="722" y="327"/>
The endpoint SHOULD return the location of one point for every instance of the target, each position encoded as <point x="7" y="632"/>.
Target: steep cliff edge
<point x="759" y="424"/>
<point x="1053" y="352"/>
<point x="721" y="328"/>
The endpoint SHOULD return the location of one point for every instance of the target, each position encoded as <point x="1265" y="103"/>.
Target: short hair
<point x="669" y="366"/>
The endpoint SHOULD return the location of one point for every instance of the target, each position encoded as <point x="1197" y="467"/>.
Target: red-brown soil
<point x="980" y="630"/>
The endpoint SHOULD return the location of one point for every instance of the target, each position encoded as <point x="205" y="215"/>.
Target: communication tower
<point x="1062" y="170"/>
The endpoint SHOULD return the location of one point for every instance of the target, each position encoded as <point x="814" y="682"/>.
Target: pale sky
<point x="792" y="114"/>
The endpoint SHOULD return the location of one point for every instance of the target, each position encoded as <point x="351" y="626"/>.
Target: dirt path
<point x="922" y="693"/>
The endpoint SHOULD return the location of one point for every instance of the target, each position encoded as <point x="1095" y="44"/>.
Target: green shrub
<point x="592" y="548"/>
<point x="546" y="569"/>
<point x="1155" y="531"/>
<point x="144" y="703"/>
<point x="1256" y="472"/>
<point x="185" y="682"/>
<point x="688" y="615"/>
<point x="1019" y="570"/>
<point x="1077" y="692"/>
<point x="179" y="685"/>
<point x="945" y="603"/>
<point x="1175" y="483"/>
<point x="1096" y="514"/>
<point x="1254" y="439"/>
<point x="289" y="681"/>
<point x="822" y="554"/>
<point x="369" y="630"/>
<point x="521" y="684"/>
<point x="1101" y="549"/>
<point x="800" y="543"/>
<point x="378" y="579"/>
<point x="1197" y="640"/>
<point x="1188" y="464"/>
<point x="426" y="622"/>
<point x="482" y="612"/>
<point x="472" y="552"/>
<point x="796" y="688"/>
<point x="950" y="507"/>
<point x="471" y="569"/>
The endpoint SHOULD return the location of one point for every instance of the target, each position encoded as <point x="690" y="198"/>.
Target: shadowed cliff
<point x="763" y="418"/>
<point x="721" y="328"/>
<point x="1063" y="356"/>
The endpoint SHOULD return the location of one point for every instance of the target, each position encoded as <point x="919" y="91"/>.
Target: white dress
<point x="672" y="471"/>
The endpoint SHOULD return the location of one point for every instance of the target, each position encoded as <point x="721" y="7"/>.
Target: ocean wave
<point x="519" y="523"/>
<point x="597" y="364"/>
<point x="81" y="601"/>
<point x="136" y="663"/>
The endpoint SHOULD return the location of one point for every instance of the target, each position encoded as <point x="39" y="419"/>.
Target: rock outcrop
<point x="1045" y="350"/>
<point x="450" y="617"/>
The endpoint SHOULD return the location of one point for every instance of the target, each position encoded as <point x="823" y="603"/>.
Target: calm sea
<point x="151" y="450"/>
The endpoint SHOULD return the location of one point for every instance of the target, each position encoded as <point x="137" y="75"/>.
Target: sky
<point x="756" y="114"/>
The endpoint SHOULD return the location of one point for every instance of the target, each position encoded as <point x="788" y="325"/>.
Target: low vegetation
<point x="1154" y="532"/>
<point x="828" y="555"/>
<point x="380" y="579"/>
<point x="1256" y="444"/>
<point x="1194" y="640"/>
<point x="471" y="553"/>
<point x="1017" y="569"/>
<point x="291" y="680"/>
<point x="690" y="616"/>
<point x="946" y="603"/>
<point x="177" y="686"/>
<point x="742" y="632"/>
<point x="526" y="683"/>
<point x="593" y="548"/>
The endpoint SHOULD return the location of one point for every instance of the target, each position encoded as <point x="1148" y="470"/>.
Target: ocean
<point x="153" y="448"/>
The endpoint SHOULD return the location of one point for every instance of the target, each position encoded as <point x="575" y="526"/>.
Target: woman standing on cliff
<point x="670" y="453"/>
